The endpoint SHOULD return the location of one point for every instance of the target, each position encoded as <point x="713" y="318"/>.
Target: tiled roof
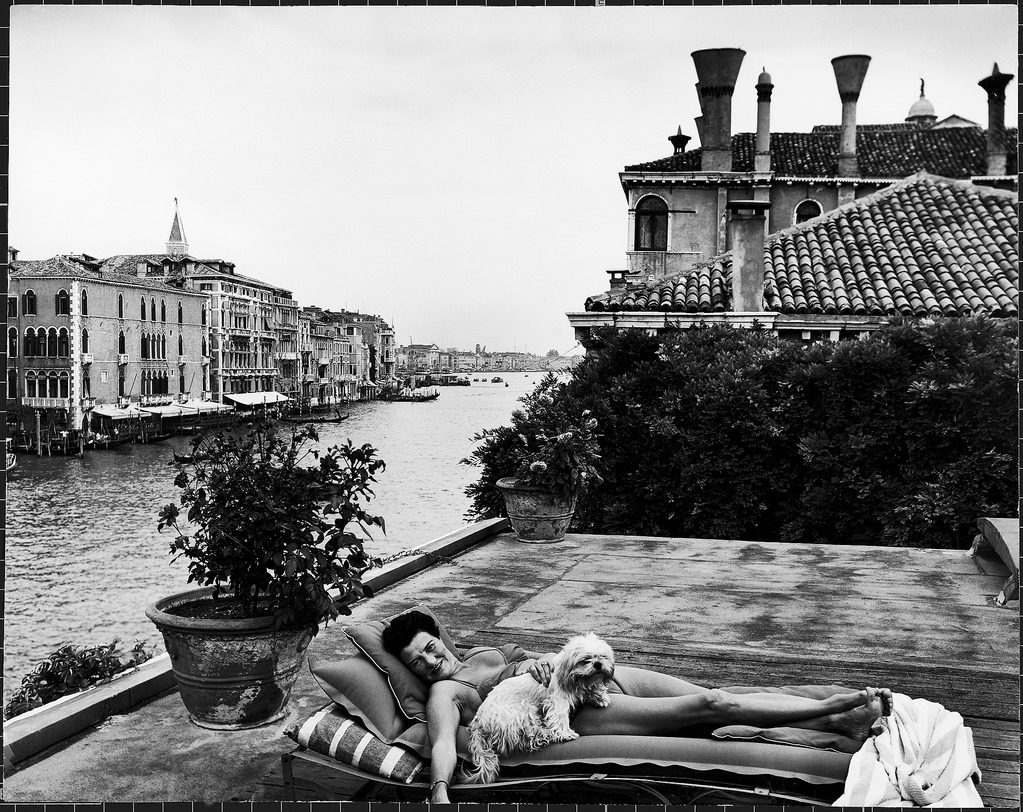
<point x="64" y="267"/>
<point x="882" y="151"/>
<point x="923" y="246"/>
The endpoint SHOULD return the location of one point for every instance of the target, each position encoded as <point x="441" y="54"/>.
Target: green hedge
<point x="903" y="438"/>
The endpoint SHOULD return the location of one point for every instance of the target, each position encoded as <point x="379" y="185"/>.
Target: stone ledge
<point x="30" y="733"/>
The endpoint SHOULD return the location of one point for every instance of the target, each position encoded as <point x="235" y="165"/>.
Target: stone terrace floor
<point x="716" y="612"/>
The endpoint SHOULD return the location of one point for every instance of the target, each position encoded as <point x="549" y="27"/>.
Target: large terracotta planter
<point x="536" y="515"/>
<point x="232" y="674"/>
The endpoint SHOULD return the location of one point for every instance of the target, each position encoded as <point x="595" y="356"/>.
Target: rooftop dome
<point x="922" y="109"/>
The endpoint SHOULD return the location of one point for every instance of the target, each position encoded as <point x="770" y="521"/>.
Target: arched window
<point x="51" y="342"/>
<point x="204" y="315"/>
<point x="51" y="380"/>
<point x="163" y="346"/>
<point x="144" y="347"/>
<point x="63" y="343"/>
<point x="62" y="303"/>
<point x="120" y="343"/>
<point x="12" y="307"/>
<point x="652" y="224"/>
<point x="28" y="303"/>
<point x="85" y="340"/>
<point x="181" y="314"/>
<point x="807" y="210"/>
<point x="181" y="345"/>
<point x="12" y="382"/>
<point x="30" y="385"/>
<point x="12" y="342"/>
<point x="142" y="309"/>
<point x="204" y="348"/>
<point x="29" y="344"/>
<point x="163" y="310"/>
<point x="120" y="305"/>
<point x="64" y="383"/>
<point x="152" y="309"/>
<point x="85" y="302"/>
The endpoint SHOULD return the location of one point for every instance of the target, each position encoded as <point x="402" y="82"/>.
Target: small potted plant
<point x="539" y="464"/>
<point x="269" y="540"/>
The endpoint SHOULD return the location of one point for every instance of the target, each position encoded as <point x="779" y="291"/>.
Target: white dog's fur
<point x="522" y="714"/>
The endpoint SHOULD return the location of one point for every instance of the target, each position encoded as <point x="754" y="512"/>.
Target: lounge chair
<point x="374" y="729"/>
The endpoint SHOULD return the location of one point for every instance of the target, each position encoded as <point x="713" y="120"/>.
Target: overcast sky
<point x="453" y="170"/>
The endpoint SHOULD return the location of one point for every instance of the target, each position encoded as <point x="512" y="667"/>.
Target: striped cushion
<point x="334" y="733"/>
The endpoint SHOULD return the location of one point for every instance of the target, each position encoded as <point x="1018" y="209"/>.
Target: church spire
<point x="177" y="245"/>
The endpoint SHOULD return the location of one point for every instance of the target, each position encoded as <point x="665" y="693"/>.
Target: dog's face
<point x="585" y="663"/>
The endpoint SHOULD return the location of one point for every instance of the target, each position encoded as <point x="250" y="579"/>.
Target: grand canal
<point x="84" y="557"/>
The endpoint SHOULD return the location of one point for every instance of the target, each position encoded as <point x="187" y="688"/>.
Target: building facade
<point x="80" y="335"/>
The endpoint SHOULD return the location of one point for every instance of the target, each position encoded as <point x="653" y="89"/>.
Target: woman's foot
<point x="858" y="723"/>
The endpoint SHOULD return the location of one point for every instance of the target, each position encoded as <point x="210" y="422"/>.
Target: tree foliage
<point x="903" y="438"/>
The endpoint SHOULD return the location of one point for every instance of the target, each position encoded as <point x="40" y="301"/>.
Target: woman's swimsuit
<point x="513" y="655"/>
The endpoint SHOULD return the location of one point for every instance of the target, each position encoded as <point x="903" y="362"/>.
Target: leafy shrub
<point x="272" y="531"/>
<point x="548" y="445"/>
<point x="71" y="669"/>
<point x="903" y="438"/>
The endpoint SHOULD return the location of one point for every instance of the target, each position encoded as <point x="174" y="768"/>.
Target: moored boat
<point x="12" y="460"/>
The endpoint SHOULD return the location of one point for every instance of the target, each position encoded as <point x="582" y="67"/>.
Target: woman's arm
<point x="443" y="712"/>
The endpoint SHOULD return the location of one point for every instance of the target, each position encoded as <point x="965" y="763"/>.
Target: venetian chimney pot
<point x="679" y="141"/>
<point x="747" y="225"/>
<point x="994" y="86"/>
<point x="850" y="71"/>
<point x="717" y="70"/>
<point x="762" y="158"/>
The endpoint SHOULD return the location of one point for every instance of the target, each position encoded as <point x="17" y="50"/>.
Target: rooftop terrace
<point x="923" y="622"/>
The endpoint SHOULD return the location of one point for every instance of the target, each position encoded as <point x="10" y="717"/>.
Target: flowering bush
<point x="548" y="445"/>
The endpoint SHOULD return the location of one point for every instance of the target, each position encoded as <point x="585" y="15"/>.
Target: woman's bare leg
<point x="851" y="714"/>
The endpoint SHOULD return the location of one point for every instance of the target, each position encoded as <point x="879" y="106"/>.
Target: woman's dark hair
<point x="400" y="631"/>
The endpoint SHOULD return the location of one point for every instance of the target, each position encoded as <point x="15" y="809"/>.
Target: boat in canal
<point x="406" y="395"/>
<point x="12" y="460"/>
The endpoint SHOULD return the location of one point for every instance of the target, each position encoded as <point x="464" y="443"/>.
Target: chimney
<point x="717" y="70"/>
<point x="762" y="158"/>
<point x="12" y="253"/>
<point x="679" y="141"/>
<point x="747" y="225"/>
<point x="994" y="85"/>
<point x="849" y="73"/>
<point x="698" y="121"/>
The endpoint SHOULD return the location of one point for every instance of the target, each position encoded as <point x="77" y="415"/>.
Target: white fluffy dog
<point x="522" y="714"/>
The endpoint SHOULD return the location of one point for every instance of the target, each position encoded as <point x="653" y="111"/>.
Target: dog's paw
<point x="601" y="701"/>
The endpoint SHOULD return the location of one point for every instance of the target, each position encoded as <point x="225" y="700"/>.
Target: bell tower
<point x="177" y="245"/>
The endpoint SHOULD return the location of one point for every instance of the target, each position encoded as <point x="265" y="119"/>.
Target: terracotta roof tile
<point x="923" y="246"/>
<point x="881" y="151"/>
<point x="63" y="267"/>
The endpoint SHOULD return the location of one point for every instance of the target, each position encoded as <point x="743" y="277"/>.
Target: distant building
<point x="81" y="334"/>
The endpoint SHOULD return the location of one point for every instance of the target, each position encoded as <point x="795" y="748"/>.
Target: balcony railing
<point x="86" y="357"/>
<point x="46" y="403"/>
<point x="88" y="403"/>
<point x="122" y="359"/>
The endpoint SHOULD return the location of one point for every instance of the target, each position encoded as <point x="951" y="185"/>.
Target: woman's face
<point x="428" y="658"/>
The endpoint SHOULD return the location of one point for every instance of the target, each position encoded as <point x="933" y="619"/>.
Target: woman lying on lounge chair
<point x="656" y="704"/>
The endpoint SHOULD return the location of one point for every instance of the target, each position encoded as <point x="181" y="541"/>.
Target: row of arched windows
<point x="155" y="382"/>
<point x="62" y="306"/>
<point x="40" y="343"/>
<point x="44" y="384"/>
<point x="153" y="346"/>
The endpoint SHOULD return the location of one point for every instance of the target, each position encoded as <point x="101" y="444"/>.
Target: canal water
<point x="84" y="557"/>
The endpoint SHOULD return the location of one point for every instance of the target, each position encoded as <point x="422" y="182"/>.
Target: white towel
<point x="922" y="756"/>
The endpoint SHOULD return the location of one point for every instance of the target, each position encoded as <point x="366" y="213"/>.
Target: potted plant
<point x="539" y="464"/>
<point x="269" y="540"/>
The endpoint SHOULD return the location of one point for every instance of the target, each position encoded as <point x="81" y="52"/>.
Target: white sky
<point x="451" y="169"/>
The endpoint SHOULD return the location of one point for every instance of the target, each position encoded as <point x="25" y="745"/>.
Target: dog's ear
<point x="564" y="662"/>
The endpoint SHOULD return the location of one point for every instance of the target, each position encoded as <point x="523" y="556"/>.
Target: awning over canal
<point x="170" y="410"/>
<point x="257" y="398"/>
<point x="114" y="413"/>
<point x="205" y="406"/>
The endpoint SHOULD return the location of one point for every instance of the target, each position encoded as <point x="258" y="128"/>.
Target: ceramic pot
<point x="536" y="515"/>
<point x="233" y="674"/>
